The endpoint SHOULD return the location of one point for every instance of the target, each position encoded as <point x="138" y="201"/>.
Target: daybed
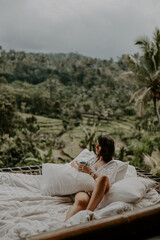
<point x="27" y="214"/>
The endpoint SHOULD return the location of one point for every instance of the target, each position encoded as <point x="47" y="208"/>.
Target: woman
<point x="101" y="169"/>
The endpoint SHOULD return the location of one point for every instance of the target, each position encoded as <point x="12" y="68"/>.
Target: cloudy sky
<point x="96" y="28"/>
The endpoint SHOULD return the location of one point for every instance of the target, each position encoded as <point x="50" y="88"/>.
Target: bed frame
<point x="140" y="224"/>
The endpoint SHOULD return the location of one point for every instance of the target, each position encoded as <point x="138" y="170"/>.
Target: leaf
<point x="139" y="69"/>
<point x="156" y="35"/>
<point x="84" y="129"/>
<point x="144" y="43"/>
<point x="142" y="93"/>
<point x="141" y="97"/>
<point x="42" y="153"/>
<point x="31" y="159"/>
<point x="149" y="161"/>
<point x="154" y="54"/>
<point x="140" y="108"/>
<point x="136" y="95"/>
<point x="49" y="155"/>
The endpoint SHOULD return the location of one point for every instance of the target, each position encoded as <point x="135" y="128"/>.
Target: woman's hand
<point x="81" y="167"/>
<point x="84" y="168"/>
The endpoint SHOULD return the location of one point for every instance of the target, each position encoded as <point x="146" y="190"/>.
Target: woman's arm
<point x="93" y="173"/>
<point x="87" y="169"/>
<point x="84" y="168"/>
<point x="75" y="164"/>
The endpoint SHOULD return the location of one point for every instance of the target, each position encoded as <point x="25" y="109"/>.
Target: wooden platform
<point x="129" y="225"/>
<point x="139" y="225"/>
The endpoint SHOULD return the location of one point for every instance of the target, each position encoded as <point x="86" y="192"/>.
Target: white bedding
<point x="24" y="211"/>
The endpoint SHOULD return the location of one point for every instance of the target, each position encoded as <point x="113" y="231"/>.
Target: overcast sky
<point x="96" y="28"/>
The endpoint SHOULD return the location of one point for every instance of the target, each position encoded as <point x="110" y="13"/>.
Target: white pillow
<point x="131" y="171"/>
<point x="63" y="179"/>
<point x="128" y="190"/>
<point x="85" y="155"/>
<point x="121" y="170"/>
<point x="115" y="170"/>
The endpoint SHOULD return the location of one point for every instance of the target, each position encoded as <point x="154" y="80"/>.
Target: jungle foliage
<point x="81" y="94"/>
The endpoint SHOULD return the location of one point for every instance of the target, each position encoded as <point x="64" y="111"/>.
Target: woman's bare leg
<point x="81" y="202"/>
<point x="102" y="186"/>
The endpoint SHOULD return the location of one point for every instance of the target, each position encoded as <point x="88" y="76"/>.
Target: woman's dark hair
<point x="107" y="147"/>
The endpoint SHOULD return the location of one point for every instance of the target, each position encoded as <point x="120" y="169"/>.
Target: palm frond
<point x="140" y="70"/>
<point x="146" y="69"/>
<point x="154" y="51"/>
<point x="136" y="95"/>
<point x="150" y="50"/>
<point x="143" y="43"/>
<point x="140" y="108"/>
<point x="148" y="75"/>
<point x="133" y="63"/>
<point x="156" y="38"/>
<point x="141" y="98"/>
<point x="156" y="35"/>
<point x="156" y="77"/>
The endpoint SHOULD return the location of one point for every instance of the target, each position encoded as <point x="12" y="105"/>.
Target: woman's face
<point x="98" y="148"/>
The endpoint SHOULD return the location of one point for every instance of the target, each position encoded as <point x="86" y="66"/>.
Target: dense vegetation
<point x="52" y="105"/>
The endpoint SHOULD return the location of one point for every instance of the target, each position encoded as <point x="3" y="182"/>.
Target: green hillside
<point x="49" y="101"/>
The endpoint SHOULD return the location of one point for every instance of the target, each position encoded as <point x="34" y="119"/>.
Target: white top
<point x="110" y="169"/>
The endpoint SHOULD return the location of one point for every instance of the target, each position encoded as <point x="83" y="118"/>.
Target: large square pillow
<point x="131" y="171"/>
<point x="121" y="170"/>
<point x="129" y="190"/>
<point x="115" y="170"/>
<point x="63" y="179"/>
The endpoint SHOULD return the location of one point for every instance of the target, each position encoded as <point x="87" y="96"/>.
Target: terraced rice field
<point x="72" y="138"/>
<point x="47" y="125"/>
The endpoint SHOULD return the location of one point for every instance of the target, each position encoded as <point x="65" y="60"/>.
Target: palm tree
<point x="147" y="71"/>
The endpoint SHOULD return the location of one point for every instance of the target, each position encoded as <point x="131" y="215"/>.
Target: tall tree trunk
<point x="156" y="109"/>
